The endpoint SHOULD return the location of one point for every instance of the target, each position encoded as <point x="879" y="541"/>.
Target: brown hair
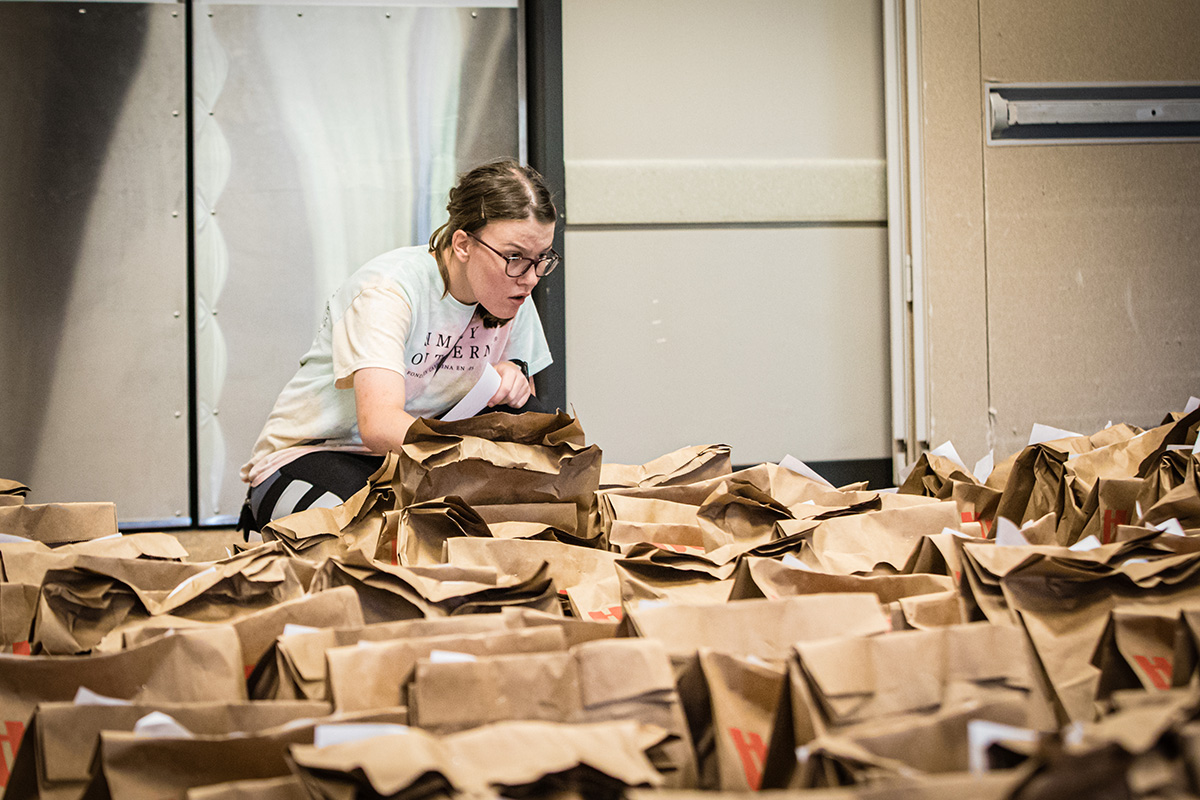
<point x="498" y="190"/>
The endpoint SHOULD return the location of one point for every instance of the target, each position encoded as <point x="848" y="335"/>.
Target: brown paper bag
<point x="514" y="758"/>
<point x="501" y="458"/>
<point x="1181" y="503"/>
<point x="648" y="579"/>
<point x="18" y="601"/>
<point x="191" y="666"/>
<point x="12" y="493"/>
<point x="593" y="682"/>
<point x="1116" y="505"/>
<point x="881" y="539"/>
<point x="1169" y="471"/>
<point x="1036" y="486"/>
<point x="686" y="465"/>
<point x="1137" y="650"/>
<point x="599" y="601"/>
<point x="1064" y="601"/>
<point x="288" y="788"/>
<point x="389" y="593"/>
<point x="354" y="526"/>
<point x="739" y="514"/>
<point x="131" y="766"/>
<point x="926" y="611"/>
<point x="300" y="655"/>
<point x="99" y="597"/>
<point x="418" y="533"/>
<point x="934" y="475"/>
<point x="559" y="516"/>
<point x="568" y="565"/>
<point x="763" y="628"/>
<point x="258" y="631"/>
<point x="374" y="674"/>
<point x="743" y="693"/>
<point x="62" y="737"/>
<point x="765" y="577"/>
<point x="1076" y="445"/>
<point x="576" y="631"/>
<point x="863" y="678"/>
<point x="59" y="523"/>
<point x="28" y="562"/>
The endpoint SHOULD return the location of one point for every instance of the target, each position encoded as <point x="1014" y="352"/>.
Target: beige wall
<point x="726" y="274"/>
<point x="1062" y="279"/>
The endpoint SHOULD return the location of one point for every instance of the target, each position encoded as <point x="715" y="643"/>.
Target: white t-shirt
<point x="392" y="313"/>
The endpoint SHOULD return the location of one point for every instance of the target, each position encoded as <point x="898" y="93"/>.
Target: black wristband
<point x="523" y="367"/>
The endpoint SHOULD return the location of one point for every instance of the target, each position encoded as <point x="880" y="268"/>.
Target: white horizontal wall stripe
<point x="649" y="192"/>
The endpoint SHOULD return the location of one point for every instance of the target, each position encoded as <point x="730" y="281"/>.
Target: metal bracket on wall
<point x="1028" y="113"/>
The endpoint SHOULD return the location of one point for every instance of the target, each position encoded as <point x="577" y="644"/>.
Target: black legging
<point x="323" y="478"/>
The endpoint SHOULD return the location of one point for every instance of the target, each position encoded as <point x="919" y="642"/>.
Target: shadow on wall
<point x="63" y="83"/>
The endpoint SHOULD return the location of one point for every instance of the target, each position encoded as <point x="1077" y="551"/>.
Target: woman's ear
<point x="459" y="243"/>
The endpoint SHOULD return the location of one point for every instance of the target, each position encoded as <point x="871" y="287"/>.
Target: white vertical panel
<point x="759" y="315"/>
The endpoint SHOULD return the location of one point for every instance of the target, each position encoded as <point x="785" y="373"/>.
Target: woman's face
<point x="487" y="282"/>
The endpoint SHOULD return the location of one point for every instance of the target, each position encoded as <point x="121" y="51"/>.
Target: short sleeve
<point x="371" y="333"/>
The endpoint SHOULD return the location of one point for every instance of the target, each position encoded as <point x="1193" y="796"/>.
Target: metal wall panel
<point x="93" y="258"/>
<point x="324" y="136"/>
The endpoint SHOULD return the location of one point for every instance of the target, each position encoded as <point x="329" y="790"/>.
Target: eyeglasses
<point x="516" y="266"/>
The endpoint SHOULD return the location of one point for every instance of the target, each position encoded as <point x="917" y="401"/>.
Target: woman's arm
<point x="379" y="405"/>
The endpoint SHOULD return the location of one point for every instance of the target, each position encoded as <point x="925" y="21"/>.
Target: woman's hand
<point x="515" y="388"/>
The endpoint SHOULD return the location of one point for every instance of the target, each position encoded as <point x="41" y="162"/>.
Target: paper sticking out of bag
<point x="797" y="466"/>
<point x="477" y="398"/>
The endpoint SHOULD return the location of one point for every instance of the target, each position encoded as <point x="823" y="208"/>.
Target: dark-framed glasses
<point x="516" y="266"/>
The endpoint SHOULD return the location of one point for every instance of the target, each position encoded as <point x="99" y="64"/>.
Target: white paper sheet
<point x="157" y="725"/>
<point x="984" y="466"/>
<point x="800" y="468"/>
<point x="325" y="735"/>
<point x="476" y="399"/>
<point x="1046" y="433"/>
<point x="946" y="450"/>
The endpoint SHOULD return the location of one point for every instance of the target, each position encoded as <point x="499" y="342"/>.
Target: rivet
<point x="178" y="414"/>
<point x="179" y="513"/>
<point x="174" y="213"/>
<point x="214" y="312"/>
<point x="176" y="315"/>
<point x="174" y="113"/>
<point x="474" y="15"/>
<point x="214" y="412"/>
<point x="83" y="11"/>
